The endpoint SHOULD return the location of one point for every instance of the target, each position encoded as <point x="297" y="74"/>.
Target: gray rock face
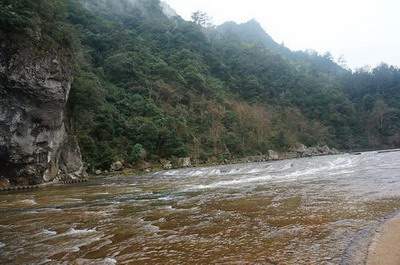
<point x="35" y="144"/>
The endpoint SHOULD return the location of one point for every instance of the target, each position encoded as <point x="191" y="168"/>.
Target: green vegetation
<point x="147" y="86"/>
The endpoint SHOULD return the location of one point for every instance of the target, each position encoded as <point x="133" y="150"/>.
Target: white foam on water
<point x="256" y="170"/>
<point x="45" y="261"/>
<point x="169" y="208"/>
<point x="339" y="163"/>
<point x="29" y="202"/>
<point x="287" y="166"/>
<point x="75" y="245"/>
<point x="168" y="173"/>
<point x="73" y="231"/>
<point x="196" y="173"/>
<point x="341" y="172"/>
<point x="49" y="232"/>
<point x="49" y="210"/>
<point x="310" y="171"/>
<point x="167" y="198"/>
<point x="2" y="245"/>
<point x="106" y="261"/>
<point x="75" y="249"/>
<point x="151" y="228"/>
<point x="228" y="183"/>
<point x="110" y="261"/>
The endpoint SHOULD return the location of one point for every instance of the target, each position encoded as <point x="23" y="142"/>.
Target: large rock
<point x="300" y="149"/>
<point x="185" y="162"/>
<point x="116" y="166"/>
<point x="35" y="141"/>
<point x="4" y="183"/>
<point x="272" y="155"/>
<point x="166" y="164"/>
<point x="311" y="151"/>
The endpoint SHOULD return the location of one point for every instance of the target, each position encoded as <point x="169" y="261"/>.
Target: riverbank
<point x="33" y="187"/>
<point x="120" y="168"/>
<point x="385" y="248"/>
<point x="143" y="167"/>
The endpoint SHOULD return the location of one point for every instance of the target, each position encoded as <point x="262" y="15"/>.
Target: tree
<point x="202" y="19"/>
<point x="138" y="153"/>
<point x="378" y="113"/>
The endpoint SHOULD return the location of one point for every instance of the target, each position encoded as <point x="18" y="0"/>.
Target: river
<point x="307" y="211"/>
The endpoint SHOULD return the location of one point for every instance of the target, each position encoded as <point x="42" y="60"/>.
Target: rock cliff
<point x="35" y="143"/>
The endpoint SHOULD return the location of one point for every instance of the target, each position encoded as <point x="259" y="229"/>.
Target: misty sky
<point x="365" y="32"/>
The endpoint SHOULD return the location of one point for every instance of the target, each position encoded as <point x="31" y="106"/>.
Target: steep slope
<point x="171" y="87"/>
<point x="35" y="81"/>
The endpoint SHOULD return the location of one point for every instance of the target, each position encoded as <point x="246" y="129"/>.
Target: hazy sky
<point x="365" y="32"/>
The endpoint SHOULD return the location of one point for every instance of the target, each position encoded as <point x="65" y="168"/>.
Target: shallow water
<point x="305" y="211"/>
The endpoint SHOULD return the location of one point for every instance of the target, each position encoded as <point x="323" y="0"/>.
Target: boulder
<point x="272" y="155"/>
<point x="98" y="172"/>
<point x="311" y="151"/>
<point x="324" y="150"/>
<point x="300" y="149"/>
<point x="4" y="183"/>
<point x="184" y="162"/>
<point x="166" y="164"/>
<point x="117" y="166"/>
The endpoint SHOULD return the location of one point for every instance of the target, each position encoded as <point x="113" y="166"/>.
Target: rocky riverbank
<point x="299" y="151"/>
<point x="121" y="167"/>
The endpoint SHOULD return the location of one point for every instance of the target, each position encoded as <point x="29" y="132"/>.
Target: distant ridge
<point x="248" y="32"/>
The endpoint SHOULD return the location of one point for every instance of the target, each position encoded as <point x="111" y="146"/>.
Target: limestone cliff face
<point x="35" y="144"/>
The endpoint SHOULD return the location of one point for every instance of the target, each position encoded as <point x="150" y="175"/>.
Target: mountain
<point x="249" y="32"/>
<point x="148" y="85"/>
<point x="168" y="10"/>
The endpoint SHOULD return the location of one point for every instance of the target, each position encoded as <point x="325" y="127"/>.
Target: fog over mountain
<point x="361" y="31"/>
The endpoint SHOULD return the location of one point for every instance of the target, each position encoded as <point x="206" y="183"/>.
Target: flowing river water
<point x="307" y="211"/>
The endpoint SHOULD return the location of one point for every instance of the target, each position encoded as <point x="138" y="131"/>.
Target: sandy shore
<point x="385" y="247"/>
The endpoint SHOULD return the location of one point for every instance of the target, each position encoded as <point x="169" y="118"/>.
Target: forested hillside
<point x="150" y="85"/>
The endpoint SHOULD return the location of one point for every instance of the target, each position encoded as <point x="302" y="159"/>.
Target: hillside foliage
<point x="149" y="86"/>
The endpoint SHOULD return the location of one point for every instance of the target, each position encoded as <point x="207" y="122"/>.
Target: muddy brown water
<point x="305" y="211"/>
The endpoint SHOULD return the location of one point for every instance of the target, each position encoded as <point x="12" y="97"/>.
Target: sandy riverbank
<point x="385" y="247"/>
